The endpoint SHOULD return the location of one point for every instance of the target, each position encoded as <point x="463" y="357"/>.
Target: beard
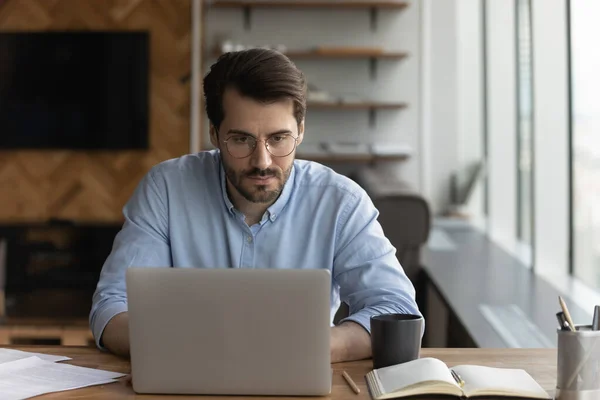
<point x="253" y="191"/>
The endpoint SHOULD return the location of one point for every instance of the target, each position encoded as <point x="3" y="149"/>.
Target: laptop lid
<point x="229" y="331"/>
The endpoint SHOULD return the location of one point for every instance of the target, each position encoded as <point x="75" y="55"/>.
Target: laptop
<point x="229" y="331"/>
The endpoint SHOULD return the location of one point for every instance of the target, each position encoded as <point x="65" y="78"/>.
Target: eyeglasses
<point x="278" y="145"/>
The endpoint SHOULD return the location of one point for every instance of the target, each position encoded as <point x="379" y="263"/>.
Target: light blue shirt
<point x="180" y="216"/>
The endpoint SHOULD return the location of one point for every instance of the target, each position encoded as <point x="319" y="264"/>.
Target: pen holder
<point x="578" y="364"/>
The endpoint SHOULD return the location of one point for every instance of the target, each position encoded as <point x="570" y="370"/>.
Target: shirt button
<point x="249" y="239"/>
<point x="273" y="217"/>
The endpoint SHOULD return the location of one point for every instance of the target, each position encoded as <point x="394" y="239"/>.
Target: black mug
<point x="395" y="338"/>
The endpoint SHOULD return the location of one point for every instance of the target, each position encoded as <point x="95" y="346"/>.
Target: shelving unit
<point x="43" y="331"/>
<point x="319" y="53"/>
<point x="343" y="158"/>
<point x="391" y="4"/>
<point x="371" y="106"/>
<point x="373" y="56"/>
<point x="248" y="5"/>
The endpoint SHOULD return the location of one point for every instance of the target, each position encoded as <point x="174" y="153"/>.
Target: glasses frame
<point x="256" y="145"/>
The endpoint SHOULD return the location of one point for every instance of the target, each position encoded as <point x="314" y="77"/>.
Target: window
<point x="524" y="123"/>
<point x="585" y="139"/>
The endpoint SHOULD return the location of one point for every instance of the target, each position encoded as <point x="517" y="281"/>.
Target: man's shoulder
<point x="196" y="165"/>
<point x="312" y="176"/>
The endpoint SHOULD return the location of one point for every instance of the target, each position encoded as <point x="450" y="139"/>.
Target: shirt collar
<point x="275" y="208"/>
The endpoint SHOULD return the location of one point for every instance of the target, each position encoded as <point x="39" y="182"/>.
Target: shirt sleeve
<point x="143" y="241"/>
<point x="370" y="277"/>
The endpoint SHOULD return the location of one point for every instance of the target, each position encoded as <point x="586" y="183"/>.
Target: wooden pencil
<point x="350" y="382"/>
<point x="563" y="305"/>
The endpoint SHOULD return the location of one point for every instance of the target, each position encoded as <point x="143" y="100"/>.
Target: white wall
<point x="502" y="121"/>
<point x="453" y="107"/>
<point x="470" y="121"/>
<point x="440" y="100"/>
<point x="396" y="81"/>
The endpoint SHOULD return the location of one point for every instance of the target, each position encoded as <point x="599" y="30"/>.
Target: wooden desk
<point x="540" y="363"/>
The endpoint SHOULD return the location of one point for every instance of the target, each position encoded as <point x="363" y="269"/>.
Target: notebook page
<point x="399" y="376"/>
<point x="33" y="376"/>
<point x="7" y="355"/>
<point x="479" y="380"/>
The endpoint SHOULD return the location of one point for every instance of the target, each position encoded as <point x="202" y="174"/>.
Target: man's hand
<point x="116" y="335"/>
<point x="349" y="342"/>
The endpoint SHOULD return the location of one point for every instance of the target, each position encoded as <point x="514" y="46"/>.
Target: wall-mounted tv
<point x="74" y="90"/>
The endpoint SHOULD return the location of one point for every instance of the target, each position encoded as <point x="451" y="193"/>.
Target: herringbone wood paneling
<point x="94" y="186"/>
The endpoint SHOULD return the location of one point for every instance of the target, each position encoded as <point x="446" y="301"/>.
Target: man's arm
<point x="143" y="241"/>
<point x="369" y="276"/>
<point x="115" y="337"/>
<point x="349" y="341"/>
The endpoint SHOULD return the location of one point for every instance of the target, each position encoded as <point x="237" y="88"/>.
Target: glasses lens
<point x="240" y="147"/>
<point x="281" y="145"/>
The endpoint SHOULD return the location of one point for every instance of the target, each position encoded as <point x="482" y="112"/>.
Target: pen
<point x="567" y="315"/>
<point x="457" y="378"/>
<point x="596" y="322"/>
<point x="350" y="382"/>
<point x="562" y="321"/>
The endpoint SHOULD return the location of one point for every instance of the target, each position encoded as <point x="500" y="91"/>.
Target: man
<point x="249" y="204"/>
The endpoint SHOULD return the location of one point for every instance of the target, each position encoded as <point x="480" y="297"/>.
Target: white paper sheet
<point x="7" y="355"/>
<point x="33" y="376"/>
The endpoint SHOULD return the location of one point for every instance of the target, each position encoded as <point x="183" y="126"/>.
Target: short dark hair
<point x="262" y="74"/>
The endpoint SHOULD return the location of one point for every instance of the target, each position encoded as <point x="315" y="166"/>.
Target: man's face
<point x="259" y="177"/>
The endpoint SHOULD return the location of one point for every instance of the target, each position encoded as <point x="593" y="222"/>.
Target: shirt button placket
<point x="248" y="252"/>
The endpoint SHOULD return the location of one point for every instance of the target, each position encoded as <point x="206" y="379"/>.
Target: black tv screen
<point x="74" y="90"/>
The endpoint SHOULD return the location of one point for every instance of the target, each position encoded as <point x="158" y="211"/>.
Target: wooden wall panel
<point x="93" y="186"/>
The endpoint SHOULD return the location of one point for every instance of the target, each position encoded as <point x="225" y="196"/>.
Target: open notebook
<point x="431" y="376"/>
